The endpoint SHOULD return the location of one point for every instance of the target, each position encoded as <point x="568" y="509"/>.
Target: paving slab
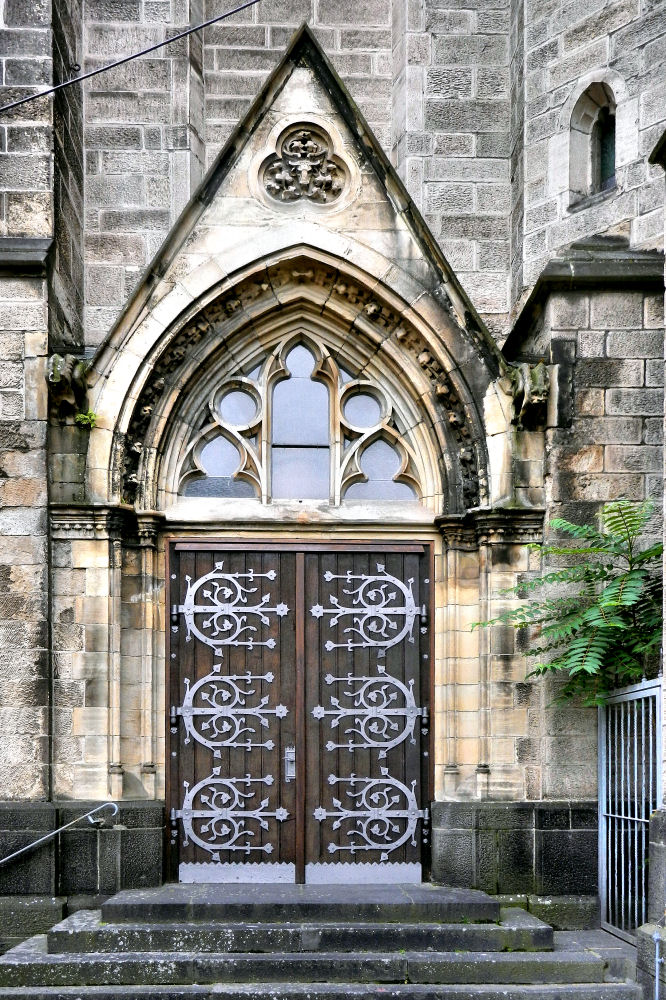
<point x="340" y="991"/>
<point x="85" y="932"/>
<point x="389" y="903"/>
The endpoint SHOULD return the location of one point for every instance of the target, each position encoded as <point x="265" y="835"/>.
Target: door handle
<point x="289" y="763"/>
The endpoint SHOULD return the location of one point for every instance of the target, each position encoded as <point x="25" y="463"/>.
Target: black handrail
<point x="54" y="833"/>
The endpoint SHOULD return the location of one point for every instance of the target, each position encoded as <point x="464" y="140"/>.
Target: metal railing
<point x="629" y="790"/>
<point x="54" y="833"/>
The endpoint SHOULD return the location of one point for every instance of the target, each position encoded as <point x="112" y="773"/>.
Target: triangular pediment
<point x="303" y="168"/>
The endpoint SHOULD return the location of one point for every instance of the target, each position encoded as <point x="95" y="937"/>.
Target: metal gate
<point x="629" y="790"/>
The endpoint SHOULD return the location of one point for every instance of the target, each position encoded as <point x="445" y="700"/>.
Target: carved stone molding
<point x="147" y="529"/>
<point x="304" y="167"/>
<point x="458" y="533"/>
<point x="264" y="291"/>
<point x="505" y="525"/>
<point x="510" y="525"/>
<point x="103" y="523"/>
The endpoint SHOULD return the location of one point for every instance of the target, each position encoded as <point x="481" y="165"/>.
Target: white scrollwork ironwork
<point x="380" y="618"/>
<point x="216" y="817"/>
<point x="378" y="722"/>
<point x="384" y="817"/>
<point x="224" y="718"/>
<point x="219" y="616"/>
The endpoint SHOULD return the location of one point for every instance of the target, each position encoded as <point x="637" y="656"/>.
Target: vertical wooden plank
<point x="313" y="695"/>
<point x="300" y="717"/>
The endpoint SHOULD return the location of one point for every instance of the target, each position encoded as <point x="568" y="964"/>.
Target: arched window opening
<point x="299" y="426"/>
<point x="592" y="143"/>
<point x="603" y="151"/>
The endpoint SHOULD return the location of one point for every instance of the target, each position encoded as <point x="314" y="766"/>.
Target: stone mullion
<point x="451" y="769"/>
<point x="147" y="542"/>
<point x="459" y="541"/>
<point x="114" y="668"/>
<point x="483" y="764"/>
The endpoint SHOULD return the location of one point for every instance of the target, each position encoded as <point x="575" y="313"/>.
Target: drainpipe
<point x="658" y="961"/>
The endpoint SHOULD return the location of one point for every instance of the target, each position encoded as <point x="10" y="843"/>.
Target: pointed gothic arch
<point x="434" y="377"/>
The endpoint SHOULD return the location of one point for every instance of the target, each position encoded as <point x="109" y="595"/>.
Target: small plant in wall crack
<point x="87" y="419"/>
<point x="601" y="621"/>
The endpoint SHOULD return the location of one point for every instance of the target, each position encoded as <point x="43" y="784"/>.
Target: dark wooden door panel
<point x="299" y="681"/>
<point x="366" y="709"/>
<point x="232" y="688"/>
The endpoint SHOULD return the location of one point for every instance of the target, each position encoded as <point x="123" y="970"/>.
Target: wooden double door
<point x="299" y="683"/>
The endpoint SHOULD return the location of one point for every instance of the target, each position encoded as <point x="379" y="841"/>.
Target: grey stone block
<point x="566" y="913"/>
<point x="466" y="116"/>
<point x="566" y="861"/>
<point x="515" y="864"/>
<point x="452" y="859"/>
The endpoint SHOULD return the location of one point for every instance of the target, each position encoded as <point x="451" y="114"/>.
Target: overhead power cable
<point x="126" y="59"/>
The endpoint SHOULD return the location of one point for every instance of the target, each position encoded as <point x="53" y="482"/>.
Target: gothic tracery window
<point x="299" y="426"/>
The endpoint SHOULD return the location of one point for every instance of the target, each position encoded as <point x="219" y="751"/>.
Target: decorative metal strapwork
<point x="304" y="170"/>
<point x="382" y="609"/>
<point x="217" y="714"/>
<point x="379" y="721"/>
<point x="217" y="610"/>
<point x="216" y="815"/>
<point x="383" y="818"/>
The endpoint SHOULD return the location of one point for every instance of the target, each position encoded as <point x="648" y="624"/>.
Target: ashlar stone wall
<point x="568" y="45"/>
<point x="605" y="444"/>
<point x="24" y="628"/>
<point x="25" y="228"/>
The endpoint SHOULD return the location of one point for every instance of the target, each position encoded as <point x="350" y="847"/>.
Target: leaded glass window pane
<point x="362" y="410"/>
<point x="220" y="459"/>
<point x="301" y="473"/>
<point x="380" y="462"/>
<point x="238" y="408"/>
<point x="300" y="405"/>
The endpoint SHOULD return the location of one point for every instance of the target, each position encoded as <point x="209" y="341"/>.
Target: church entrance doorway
<point x="299" y="684"/>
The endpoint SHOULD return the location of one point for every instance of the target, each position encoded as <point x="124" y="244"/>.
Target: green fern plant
<point x="602" y="624"/>
<point x="86" y="419"/>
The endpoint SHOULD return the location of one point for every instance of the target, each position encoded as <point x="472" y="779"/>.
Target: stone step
<point x="85" y="932"/>
<point x="277" y="903"/>
<point x="31" y="965"/>
<point x="337" y="991"/>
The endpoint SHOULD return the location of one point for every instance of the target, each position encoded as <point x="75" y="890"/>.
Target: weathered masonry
<point x="347" y="348"/>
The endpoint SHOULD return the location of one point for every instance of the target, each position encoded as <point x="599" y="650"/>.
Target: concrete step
<point x="293" y="903"/>
<point x="337" y="991"/>
<point x="31" y="965"/>
<point x="85" y="932"/>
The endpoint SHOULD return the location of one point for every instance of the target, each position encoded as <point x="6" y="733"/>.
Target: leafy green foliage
<point x="602" y="626"/>
<point x="87" y="419"/>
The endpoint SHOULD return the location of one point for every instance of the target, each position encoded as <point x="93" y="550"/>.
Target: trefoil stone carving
<point x="217" y="610"/>
<point x="216" y="712"/>
<point x="382" y="610"/>
<point x="216" y="815"/>
<point x="379" y="721"/>
<point x="384" y="815"/>
<point x="304" y="169"/>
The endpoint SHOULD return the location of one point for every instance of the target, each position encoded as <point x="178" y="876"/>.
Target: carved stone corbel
<point x="67" y="378"/>
<point x="529" y="386"/>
